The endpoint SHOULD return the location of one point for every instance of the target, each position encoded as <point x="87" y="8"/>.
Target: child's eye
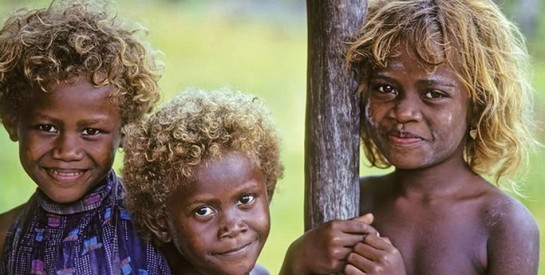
<point x="382" y="91"/>
<point x="246" y="199"/>
<point x="204" y="211"/>
<point x="386" y="89"/>
<point x="91" y="132"/>
<point x="47" y="128"/>
<point x="434" y="94"/>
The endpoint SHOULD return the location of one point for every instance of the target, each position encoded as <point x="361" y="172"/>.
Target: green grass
<point x="204" y="47"/>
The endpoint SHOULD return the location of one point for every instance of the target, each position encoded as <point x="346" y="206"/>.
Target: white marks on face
<point x="368" y="117"/>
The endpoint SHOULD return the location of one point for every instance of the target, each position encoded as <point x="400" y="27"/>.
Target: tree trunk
<point x="332" y="113"/>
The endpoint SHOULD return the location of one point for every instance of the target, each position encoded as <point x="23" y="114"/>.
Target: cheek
<point x="105" y="151"/>
<point x="31" y="148"/>
<point x="454" y="120"/>
<point x="259" y="219"/>
<point x="189" y="238"/>
<point x="450" y="127"/>
<point x="448" y="118"/>
<point x="114" y="141"/>
<point x="369" y="115"/>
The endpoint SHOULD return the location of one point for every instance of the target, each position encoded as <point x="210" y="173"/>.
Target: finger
<point x="367" y="252"/>
<point x="352" y="270"/>
<point x="360" y="262"/>
<point x="340" y="254"/>
<point x="367" y="218"/>
<point x="358" y="227"/>
<point x="346" y="241"/>
<point x="377" y="242"/>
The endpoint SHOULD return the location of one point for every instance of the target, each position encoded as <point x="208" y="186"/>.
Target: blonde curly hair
<point x="485" y="50"/>
<point x="71" y="39"/>
<point x="164" y="152"/>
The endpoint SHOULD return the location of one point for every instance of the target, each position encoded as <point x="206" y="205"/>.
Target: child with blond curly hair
<point x="200" y="174"/>
<point x="72" y="76"/>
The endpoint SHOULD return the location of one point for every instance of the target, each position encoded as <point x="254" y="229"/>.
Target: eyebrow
<point x="95" y="120"/>
<point x="434" y="80"/>
<point x="439" y="82"/>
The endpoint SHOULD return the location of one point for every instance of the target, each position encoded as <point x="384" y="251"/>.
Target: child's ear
<point x="159" y="227"/>
<point x="12" y="130"/>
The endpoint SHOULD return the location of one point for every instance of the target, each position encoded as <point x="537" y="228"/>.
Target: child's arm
<point x="324" y="249"/>
<point x="513" y="246"/>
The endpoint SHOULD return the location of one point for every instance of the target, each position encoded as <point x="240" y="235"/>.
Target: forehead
<point x="224" y="176"/>
<point x="227" y="164"/>
<point x="74" y="98"/>
<point x="407" y="58"/>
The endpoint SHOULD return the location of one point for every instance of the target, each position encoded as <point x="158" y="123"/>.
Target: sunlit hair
<point x="485" y="50"/>
<point x="163" y="153"/>
<point x="70" y="39"/>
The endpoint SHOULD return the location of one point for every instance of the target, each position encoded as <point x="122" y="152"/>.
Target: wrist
<point x="292" y="264"/>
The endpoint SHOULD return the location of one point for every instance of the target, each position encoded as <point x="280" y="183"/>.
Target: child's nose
<point x="408" y="109"/>
<point x="67" y="148"/>
<point x="231" y="224"/>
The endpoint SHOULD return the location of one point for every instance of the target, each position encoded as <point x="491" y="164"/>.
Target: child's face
<point x="221" y="221"/>
<point x="416" y="117"/>
<point x="68" y="138"/>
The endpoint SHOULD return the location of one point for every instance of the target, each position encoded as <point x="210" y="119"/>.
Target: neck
<point x="439" y="180"/>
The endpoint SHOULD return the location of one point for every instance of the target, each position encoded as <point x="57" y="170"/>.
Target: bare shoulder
<point x="513" y="243"/>
<point x="504" y="212"/>
<point x="6" y="219"/>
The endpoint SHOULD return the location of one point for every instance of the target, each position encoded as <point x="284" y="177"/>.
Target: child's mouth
<point x="235" y="251"/>
<point x="65" y="174"/>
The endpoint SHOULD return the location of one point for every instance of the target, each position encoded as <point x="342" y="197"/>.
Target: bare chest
<point x="436" y="240"/>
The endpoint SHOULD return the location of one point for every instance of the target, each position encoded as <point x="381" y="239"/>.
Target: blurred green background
<point x="258" y="47"/>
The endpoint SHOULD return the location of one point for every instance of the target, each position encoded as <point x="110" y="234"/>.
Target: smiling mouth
<point x="400" y="140"/>
<point x="65" y="174"/>
<point x="235" y="251"/>
<point x="403" y="138"/>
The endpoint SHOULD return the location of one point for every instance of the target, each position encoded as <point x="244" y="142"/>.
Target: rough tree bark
<point x="332" y="113"/>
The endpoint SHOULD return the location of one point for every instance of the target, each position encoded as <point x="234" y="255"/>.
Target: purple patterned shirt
<point x="91" y="236"/>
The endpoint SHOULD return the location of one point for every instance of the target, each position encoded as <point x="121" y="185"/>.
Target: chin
<point x="63" y="198"/>
<point x="235" y="271"/>
<point x="232" y="269"/>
